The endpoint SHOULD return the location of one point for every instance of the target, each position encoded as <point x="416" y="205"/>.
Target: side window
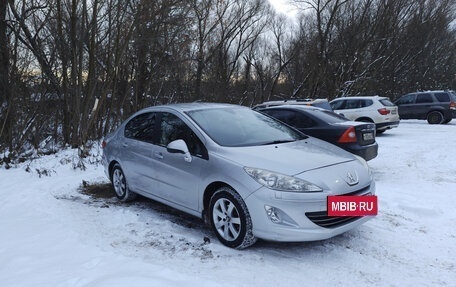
<point x="292" y="118"/>
<point x="353" y="104"/>
<point x="141" y="127"/>
<point x="406" y="100"/>
<point x="442" y="97"/>
<point x="366" y="103"/>
<point x="424" y="98"/>
<point x="173" y="128"/>
<point x="283" y="116"/>
<point x="338" y="105"/>
<point x="302" y="121"/>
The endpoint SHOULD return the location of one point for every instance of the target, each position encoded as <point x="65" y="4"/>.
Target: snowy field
<point x="52" y="234"/>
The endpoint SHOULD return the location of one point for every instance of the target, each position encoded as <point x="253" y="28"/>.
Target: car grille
<point x="322" y="219"/>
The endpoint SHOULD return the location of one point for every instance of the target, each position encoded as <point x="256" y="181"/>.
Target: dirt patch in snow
<point x="97" y="190"/>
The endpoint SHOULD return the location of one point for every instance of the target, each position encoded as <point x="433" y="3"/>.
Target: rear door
<point x="423" y="105"/>
<point x="137" y="147"/>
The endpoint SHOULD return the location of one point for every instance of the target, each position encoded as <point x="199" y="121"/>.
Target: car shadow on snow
<point x="102" y="195"/>
<point x="103" y="192"/>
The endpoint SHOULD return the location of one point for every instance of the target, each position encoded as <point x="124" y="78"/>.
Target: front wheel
<point x="435" y="118"/>
<point x="119" y="183"/>
<point x="230" y="219"/>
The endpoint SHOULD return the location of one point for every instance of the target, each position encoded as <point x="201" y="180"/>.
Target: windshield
<point x="236" y="127"/>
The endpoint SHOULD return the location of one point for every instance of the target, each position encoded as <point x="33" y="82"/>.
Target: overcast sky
<point x="284" y="6"/>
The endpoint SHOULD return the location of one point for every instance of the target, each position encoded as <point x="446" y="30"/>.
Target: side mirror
<point x="179" y="146"/>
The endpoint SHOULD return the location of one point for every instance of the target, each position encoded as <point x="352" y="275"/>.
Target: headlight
<point x="281" y="182"/>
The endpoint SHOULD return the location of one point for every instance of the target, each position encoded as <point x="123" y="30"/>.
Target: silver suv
<point x="373" y="109"/>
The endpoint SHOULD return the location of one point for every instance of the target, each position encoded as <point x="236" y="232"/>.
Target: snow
<point x="52" y="234"/>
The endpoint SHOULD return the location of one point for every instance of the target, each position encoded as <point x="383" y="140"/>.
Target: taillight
<point x="349" y="136"/>
<point x="453" y="105"/>
<point x="103" y="144"/>
<point x="384" y="111"/>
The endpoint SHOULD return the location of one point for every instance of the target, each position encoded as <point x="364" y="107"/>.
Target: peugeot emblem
<point x="351" y="179"/>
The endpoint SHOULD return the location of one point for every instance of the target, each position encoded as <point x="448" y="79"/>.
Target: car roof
<point x="295" y="107"/>
<point x="361" y="97"/>
<point x="290" y="102"/>
<point x="433" y="91"/>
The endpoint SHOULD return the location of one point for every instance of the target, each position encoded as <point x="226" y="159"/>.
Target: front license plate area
<point x="352" y="205"/>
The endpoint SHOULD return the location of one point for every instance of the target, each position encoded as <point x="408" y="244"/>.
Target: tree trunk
<point x="5" y="92"/>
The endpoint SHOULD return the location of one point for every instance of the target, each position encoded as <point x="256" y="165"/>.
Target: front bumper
<point x="300" y="210"/>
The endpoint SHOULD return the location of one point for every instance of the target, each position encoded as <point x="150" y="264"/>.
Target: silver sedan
<point x="248" y="175"/>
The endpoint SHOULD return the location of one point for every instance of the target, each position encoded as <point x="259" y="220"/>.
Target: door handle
<point x="158" y="155"/>
<point x="124" y="144"/>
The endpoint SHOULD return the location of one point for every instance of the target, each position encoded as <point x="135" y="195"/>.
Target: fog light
<point x="273" y="214"/>
<point x="277" y="216"/>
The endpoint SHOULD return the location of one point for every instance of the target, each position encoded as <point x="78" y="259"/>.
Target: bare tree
<point x="5" y="94"/>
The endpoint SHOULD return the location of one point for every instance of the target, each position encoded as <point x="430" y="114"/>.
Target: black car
<point x="355" y="137"/>
<point x="437" y="107"/>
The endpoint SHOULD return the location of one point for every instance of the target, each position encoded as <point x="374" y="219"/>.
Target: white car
<point x="374" y="109"/>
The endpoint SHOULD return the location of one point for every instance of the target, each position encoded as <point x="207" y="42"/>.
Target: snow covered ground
<point x="51" y="234"/>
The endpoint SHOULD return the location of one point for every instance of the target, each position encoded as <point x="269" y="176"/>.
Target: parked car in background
<point x="373" y="109"/>
<point x="355" y="137"/>
<point x="437" y="107"/>
<point x="248" y="175"/>
<point x="320" y="103"/>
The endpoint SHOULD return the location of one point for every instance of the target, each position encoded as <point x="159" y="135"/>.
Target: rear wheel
<point x="230" y="219"/>
<point x="435" y="117"/>
<point x="119" y="183"/>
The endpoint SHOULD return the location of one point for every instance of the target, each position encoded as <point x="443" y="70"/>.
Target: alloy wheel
<point x="120" y="185"/>
<point x="226" y="219"/>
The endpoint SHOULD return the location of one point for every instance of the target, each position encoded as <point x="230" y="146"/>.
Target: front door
<point x="178" y="179"/>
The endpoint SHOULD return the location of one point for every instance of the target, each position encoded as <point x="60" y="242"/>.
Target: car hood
<point x="288" y="158"/>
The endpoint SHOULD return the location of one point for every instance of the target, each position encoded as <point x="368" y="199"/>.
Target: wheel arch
<point x="436" y="109"/>
<point x="111" y="167"/>
<point x="209" y="192"/>
<point x="364" y="119"/>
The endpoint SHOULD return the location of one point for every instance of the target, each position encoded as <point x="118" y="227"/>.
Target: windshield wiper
<point x="278" y="142"/>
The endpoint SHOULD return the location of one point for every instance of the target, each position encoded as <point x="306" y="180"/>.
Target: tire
<point x="230" y="219"/>
<point x="380" y="132"/>
<point x="435" y="118"/>
<point x="120" y="186"/>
